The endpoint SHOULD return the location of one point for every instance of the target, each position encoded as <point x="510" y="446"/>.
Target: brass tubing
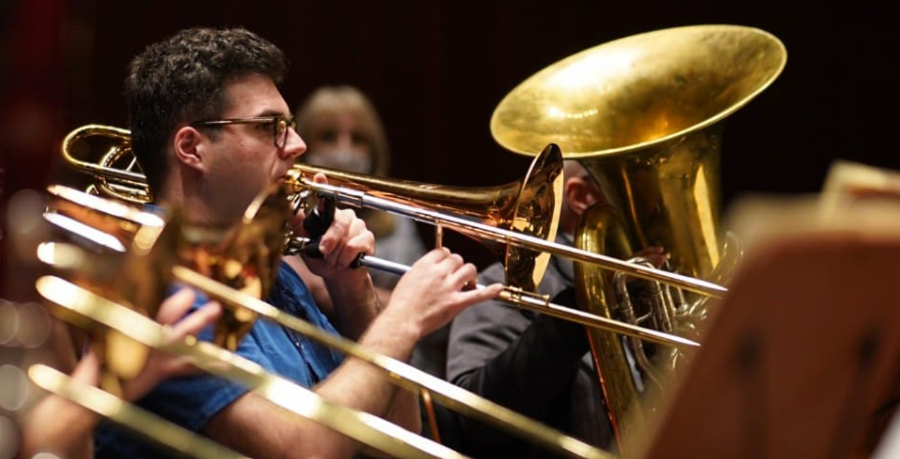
<point x="403" y="374"/>
<point x="126" y="414"/>
<point x="77" y="304"/>
<point x="361" y="199"/>
<point x="541" y="304"/>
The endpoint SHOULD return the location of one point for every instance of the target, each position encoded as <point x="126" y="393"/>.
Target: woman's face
<point x="339" y="142"/>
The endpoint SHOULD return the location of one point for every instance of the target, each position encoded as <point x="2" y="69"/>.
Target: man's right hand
<point x="435" y="290"/>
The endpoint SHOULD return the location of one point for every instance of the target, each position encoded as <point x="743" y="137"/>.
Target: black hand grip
<point x="316" y="223"/>
<point x="357" y="262"/>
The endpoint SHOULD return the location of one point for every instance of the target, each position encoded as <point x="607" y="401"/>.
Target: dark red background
<point x="436" y="71"/>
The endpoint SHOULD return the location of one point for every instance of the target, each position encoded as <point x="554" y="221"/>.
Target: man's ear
<point x="189" y="145"/>
<point x="581" y="193"/>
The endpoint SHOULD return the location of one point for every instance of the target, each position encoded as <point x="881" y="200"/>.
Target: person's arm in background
<point x="519" y="359"/>
<point x="62" y="427"/>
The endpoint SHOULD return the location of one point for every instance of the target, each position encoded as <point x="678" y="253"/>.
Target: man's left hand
<point x="345" y="239"/>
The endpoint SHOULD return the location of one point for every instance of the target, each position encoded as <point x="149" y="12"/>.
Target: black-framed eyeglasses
<point x="280" y="125"/>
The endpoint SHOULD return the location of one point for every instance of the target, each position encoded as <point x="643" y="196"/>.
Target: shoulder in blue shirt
<point x="192" y="401"/>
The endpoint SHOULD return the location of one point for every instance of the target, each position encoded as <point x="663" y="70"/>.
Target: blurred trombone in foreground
<point x="123" y="413"/>
<point x="82" y="308"/>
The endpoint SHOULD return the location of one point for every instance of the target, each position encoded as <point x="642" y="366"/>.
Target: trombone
<point x="77" y="306"/>
<point x="299" y="178"/>
<point x="510" y="294"/>
<point x="505" y="213"/>
<point x="126" y="414"/>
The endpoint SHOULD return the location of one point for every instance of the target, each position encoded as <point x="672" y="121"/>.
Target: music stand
<point x="803" y="357"/>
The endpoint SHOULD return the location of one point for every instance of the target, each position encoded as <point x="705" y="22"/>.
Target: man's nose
<point x="295" y="146"/>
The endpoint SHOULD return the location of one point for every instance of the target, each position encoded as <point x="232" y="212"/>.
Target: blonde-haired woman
<point x="343" y="131"/>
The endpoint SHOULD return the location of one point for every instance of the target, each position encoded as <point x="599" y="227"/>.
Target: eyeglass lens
<point x="281" y="131"/>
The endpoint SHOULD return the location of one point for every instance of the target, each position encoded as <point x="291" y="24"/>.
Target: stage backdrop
<point x="437" y="70"/>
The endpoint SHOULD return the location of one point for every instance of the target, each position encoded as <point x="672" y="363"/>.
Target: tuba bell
<point x="643" y="115"/>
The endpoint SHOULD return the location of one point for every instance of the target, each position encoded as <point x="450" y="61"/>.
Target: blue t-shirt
<point x="192" y="401"/>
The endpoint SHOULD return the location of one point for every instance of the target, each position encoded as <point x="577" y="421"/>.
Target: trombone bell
<point x="530" y="206"/>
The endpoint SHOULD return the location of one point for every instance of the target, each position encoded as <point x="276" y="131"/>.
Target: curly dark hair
<point x="182" y="79"/>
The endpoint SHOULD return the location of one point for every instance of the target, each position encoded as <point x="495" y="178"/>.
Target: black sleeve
<point x="519" y="359"/>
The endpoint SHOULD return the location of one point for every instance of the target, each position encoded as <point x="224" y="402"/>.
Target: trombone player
<point x="535" y="364"/>
<point x="211" y="130"/>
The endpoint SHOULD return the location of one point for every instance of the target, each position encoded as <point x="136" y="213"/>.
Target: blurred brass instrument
<point x="244" y="256"/>
<point x="69" y="258"/>
<point x="643" y="114"/>
<point x="94" y="312"/>
<point x="133" y="281"/>
<point x="131" y="416"/>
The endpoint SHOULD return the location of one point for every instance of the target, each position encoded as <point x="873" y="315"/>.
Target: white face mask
<point x="345" y="160"/>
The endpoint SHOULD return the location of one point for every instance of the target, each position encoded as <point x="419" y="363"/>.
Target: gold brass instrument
<point x="367" y="198"/>
<point x="121" y="412"/>
<point x="88" y="310"/>
<point x="244" y="256"/>
<point x="529" y="206"/>
<point x="117" y="173"/>
<point x="133" y="281"/>
<point x="233" y="256"/>
<point x="643" y="114"/>
<point x="403" y="375"/>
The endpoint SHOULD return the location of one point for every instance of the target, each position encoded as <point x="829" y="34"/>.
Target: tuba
<point x="643" y="115"/>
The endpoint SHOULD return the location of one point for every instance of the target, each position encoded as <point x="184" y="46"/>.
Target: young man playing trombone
<point x="211" y="130"/>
